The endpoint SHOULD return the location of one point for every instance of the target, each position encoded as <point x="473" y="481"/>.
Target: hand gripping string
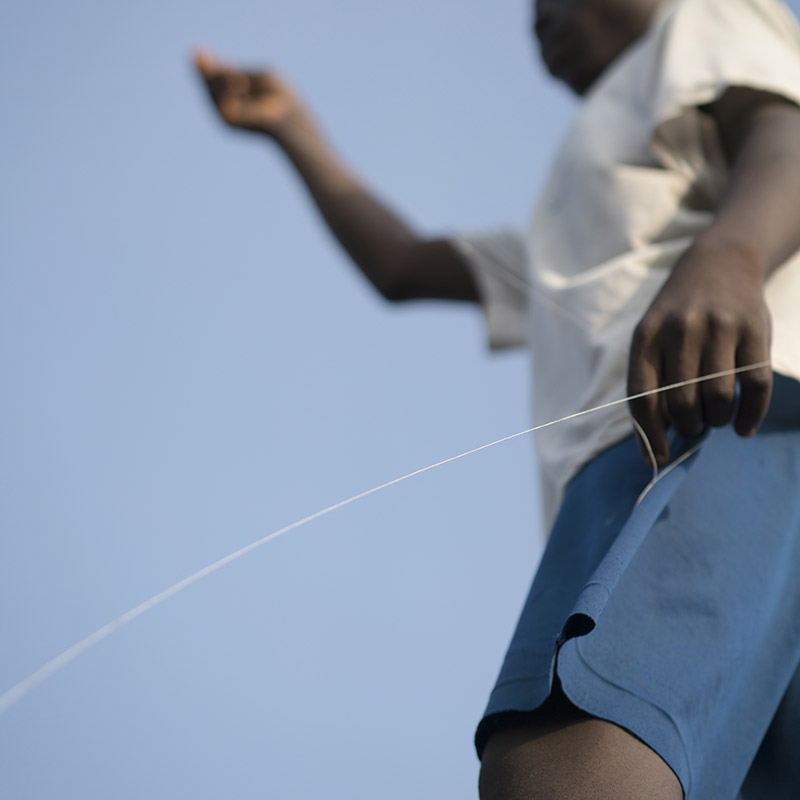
<point x="17" y="692"/>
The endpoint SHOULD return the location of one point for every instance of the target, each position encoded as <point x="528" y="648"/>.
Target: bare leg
<point x="561" y="753"/>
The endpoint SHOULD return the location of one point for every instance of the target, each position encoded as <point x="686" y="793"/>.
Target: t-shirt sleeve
<point x="498" y="263"/>
<point x="707" y="47"/>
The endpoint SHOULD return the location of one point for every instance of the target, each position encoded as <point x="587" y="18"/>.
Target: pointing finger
<point x="206" y="64"/>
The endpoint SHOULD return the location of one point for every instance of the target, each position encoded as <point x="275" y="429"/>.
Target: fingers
<point x="264" y="82"/>
<point x="663" y="354"/>
<point x="694" y="348"/>
<point x="230" y="78"/>
<point x="222" y="80"/>
<point x="228" y="87"/>
<point x="205" y="62"/>
<point x="226" y="83"/>
<point x="681" y="357"/>
<point x="644" y="375"/>
<point x="755" y="386"/>
<point x="718" y="396"/>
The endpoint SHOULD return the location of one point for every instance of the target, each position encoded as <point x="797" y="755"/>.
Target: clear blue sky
<point x="189" y="363"/>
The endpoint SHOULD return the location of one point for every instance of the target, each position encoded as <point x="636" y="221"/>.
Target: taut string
<point x="17" y="692"/>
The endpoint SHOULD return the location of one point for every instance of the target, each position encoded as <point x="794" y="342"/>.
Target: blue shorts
<point x="678" y="619"/>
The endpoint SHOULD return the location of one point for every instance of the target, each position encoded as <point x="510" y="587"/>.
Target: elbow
<point x="393" y="284"/>
<point x="394" y="291"/>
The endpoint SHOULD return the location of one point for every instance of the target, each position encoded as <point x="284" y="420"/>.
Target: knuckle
<point x="261" y="82"/>
<point x="722" y="321"/>
<point x="680" y="324"/>
<point x="757" y="325"/>
<point x="754" y="328"/>
<point x="644" y="333"/>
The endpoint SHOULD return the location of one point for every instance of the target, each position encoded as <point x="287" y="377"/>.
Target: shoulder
<point x="701" y="48"/>
<point x="698" y="19"/>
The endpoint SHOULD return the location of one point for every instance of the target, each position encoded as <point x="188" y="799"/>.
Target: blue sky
<point x="189" y="363"/>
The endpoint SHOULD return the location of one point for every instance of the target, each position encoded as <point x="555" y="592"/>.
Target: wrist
<point x="295" y="134"/>
<point x="730" y="255"/>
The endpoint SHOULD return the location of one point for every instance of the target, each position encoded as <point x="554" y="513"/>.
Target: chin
<point x="580" y="81"/>
<point x="579" y="76"/>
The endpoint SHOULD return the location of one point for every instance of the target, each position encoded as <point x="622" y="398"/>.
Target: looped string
<point x="17" y="692"/>
<point x="658" y="475"/>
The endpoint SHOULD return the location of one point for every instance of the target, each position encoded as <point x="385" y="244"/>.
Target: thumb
<point x="205" y="62"/>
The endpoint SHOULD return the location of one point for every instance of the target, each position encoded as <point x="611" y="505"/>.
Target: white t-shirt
<point x="638" y="177"/>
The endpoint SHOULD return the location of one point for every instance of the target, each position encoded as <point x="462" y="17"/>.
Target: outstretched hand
<point x="710" y="316"/>
<point x="259" y="101"/>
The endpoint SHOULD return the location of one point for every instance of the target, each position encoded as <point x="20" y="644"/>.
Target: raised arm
<point x="711" y="314"/>
<point x="399" y="263"/>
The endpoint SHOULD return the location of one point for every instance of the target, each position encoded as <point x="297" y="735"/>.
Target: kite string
<point x="658" y="475"/>
<point x="19" y="690"/>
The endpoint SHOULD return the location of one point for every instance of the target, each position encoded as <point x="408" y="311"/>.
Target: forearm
<point x="398" y="262"/>
<point x="758" y="215"/>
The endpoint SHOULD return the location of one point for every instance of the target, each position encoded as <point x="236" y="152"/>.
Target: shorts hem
<point x="597" y="695"/>
<point x="509" y="699"/>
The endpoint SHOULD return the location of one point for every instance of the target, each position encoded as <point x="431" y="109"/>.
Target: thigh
<point x="560" y="752"/>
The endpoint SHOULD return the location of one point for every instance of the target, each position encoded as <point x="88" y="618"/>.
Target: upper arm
<point x="740" y="109"/>
<point x="760" y="133"/>
<point x="431" y="269"/>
